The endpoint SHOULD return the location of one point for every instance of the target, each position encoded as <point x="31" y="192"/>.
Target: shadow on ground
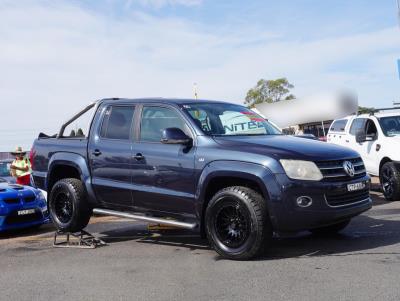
<point x="27" y="232"/>
<point x="377" y="228"/>
<point x="363" y="235"/>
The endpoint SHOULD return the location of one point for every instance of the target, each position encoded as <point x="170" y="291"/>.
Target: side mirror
<point x="175" y="136"/>
<point x="361" y="136"/>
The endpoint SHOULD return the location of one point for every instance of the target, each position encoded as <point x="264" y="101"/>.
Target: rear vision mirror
<point x="361" y="136"/>
<point x="175" y="136"/>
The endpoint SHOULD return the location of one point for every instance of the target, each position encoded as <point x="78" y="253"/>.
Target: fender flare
<point x="249" y="171"/>
<point x="79" y="163"/>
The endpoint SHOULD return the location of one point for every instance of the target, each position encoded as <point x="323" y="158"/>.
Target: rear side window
<point x="117" y="122"/>
<point x="357" y="125"/>
<point x="339" y="125"/>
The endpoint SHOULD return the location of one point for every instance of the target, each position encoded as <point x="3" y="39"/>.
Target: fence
<point x="5" y="155"/>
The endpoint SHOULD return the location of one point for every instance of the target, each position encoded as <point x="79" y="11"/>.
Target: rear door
<point x="110" y="155"/>
<point x="337" y="132"/>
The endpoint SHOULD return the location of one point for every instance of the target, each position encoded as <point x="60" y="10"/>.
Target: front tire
<point x="330" y="230"/>
<point x="68" y="205"/>
<point x="237" y="223"/>
<point x="389" y="177"/>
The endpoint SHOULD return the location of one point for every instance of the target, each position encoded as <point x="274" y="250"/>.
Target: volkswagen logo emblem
<point x="349" y="168"/>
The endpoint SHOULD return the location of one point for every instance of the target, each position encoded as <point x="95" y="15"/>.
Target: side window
<point x="370" y="128"/>
<point x="155" y="120"/>
<point x="117" y="122"/>
<point x="358" y="124"/>
<point x="201" y="118"/>
<point x="339" y="125"/>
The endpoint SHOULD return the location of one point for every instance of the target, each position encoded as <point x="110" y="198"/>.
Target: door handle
<point x="138" y="156"/>
<point x="96" y="152"/>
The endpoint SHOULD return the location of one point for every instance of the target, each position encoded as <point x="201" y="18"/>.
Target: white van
<point x="377" y="138"/>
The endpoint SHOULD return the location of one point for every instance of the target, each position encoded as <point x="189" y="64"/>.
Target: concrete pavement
<point x="361" y="264"/>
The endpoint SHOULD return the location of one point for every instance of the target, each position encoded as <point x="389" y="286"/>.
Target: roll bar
<point x="76" y="116"/>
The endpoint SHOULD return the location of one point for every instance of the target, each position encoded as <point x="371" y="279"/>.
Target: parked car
<point x="214" y="167"/>
<point x="5" y="175"/>
<point x="21" y="207"/>
<point x="376" y="137"/>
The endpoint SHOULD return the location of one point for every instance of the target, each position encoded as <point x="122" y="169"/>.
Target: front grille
<point x="333" y="171"/>
<point x="348" y="198"/>
<point x="14" y="218"/>
<point x="11" y="201"/>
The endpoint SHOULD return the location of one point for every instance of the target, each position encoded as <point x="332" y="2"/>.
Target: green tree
<point x="365" y="110"/>
<point x="269" y="91"/>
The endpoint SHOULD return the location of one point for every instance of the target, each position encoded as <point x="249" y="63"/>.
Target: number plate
<point x="355" y="186"/>
<point x="25" y="212"/>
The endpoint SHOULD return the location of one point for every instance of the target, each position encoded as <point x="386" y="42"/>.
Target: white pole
<point x="195" y="90"/>
<point x="398" y="10"/>
<point x="323" y="127"/>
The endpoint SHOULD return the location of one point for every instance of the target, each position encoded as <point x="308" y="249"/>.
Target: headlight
<point x="301" y="170"/>
<point x="40" y="196"/>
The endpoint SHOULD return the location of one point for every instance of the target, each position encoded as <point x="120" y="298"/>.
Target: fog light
<point x="304" y="201"/>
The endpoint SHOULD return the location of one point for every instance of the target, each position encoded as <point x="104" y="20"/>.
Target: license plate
<point x="25" y="212"/>
<point x="355" y="186"/>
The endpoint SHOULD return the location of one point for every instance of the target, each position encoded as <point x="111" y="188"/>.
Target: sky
<point x="56" y="56"/>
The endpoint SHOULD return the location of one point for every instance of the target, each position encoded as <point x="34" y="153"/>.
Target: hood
<point x="287" y="147"/>
<point x="14" y="189"/>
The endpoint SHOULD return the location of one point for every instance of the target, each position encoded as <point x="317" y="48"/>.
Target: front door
<point x="357" y="125"/>
<point x="369" y="148"/>
<point x="110" y="154"/>
<point x="163" y="174"/>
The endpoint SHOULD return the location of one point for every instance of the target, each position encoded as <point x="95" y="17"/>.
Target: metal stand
<point x="80" y="240"/>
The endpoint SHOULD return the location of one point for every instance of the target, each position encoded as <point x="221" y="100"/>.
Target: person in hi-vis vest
<point x="21" y="167"/>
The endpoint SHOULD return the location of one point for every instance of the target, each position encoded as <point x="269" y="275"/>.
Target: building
<point x="312" y="115"/>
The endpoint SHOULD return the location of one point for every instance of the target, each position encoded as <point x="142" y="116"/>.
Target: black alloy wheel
<point x="237" y="223"/>
<point x="69" y="208"/>
<point x="63" y="207"/>
<point x="390" y="181"/>
<point x="387" y="181"/>
<point x="232" y="223"/>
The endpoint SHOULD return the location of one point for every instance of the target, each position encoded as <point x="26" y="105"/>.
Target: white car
<point x="377" y="138"/>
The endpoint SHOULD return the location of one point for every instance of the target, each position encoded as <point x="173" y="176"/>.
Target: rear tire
<point x="237" y="223"/>
<point x="330" y="230"/>
<point x="389" y="177"/>
<point x="68" y="205"/>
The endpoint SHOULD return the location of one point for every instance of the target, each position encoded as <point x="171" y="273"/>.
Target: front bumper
<point x="325" y="210"/>
<point x="10" y="220"/>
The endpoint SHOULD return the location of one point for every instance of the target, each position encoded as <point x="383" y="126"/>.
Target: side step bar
<point x="145" y="218"/>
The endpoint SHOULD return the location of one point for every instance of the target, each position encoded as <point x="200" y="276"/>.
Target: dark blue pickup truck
<point x="214" y="167"/>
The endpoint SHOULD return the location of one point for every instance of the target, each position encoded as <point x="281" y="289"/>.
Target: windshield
<point x="390" y="125"/>
<point x="222" y="119"/>
<point x="4" y="169"/>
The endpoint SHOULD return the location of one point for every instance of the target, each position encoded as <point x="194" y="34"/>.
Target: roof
<point x="379" y="114"/>
<point x="161" y="99"/>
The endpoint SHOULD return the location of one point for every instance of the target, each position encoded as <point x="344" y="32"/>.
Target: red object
<point x="32" y="156"/>
<point x="24" y="180"/>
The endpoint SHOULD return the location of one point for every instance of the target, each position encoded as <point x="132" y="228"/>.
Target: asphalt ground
<point x="362" y="263"/>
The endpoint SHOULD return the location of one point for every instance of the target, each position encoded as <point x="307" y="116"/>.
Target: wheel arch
<point x="69" y="165"/>
<point x="221" y="174"/>
<point x="383" y="161"/>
